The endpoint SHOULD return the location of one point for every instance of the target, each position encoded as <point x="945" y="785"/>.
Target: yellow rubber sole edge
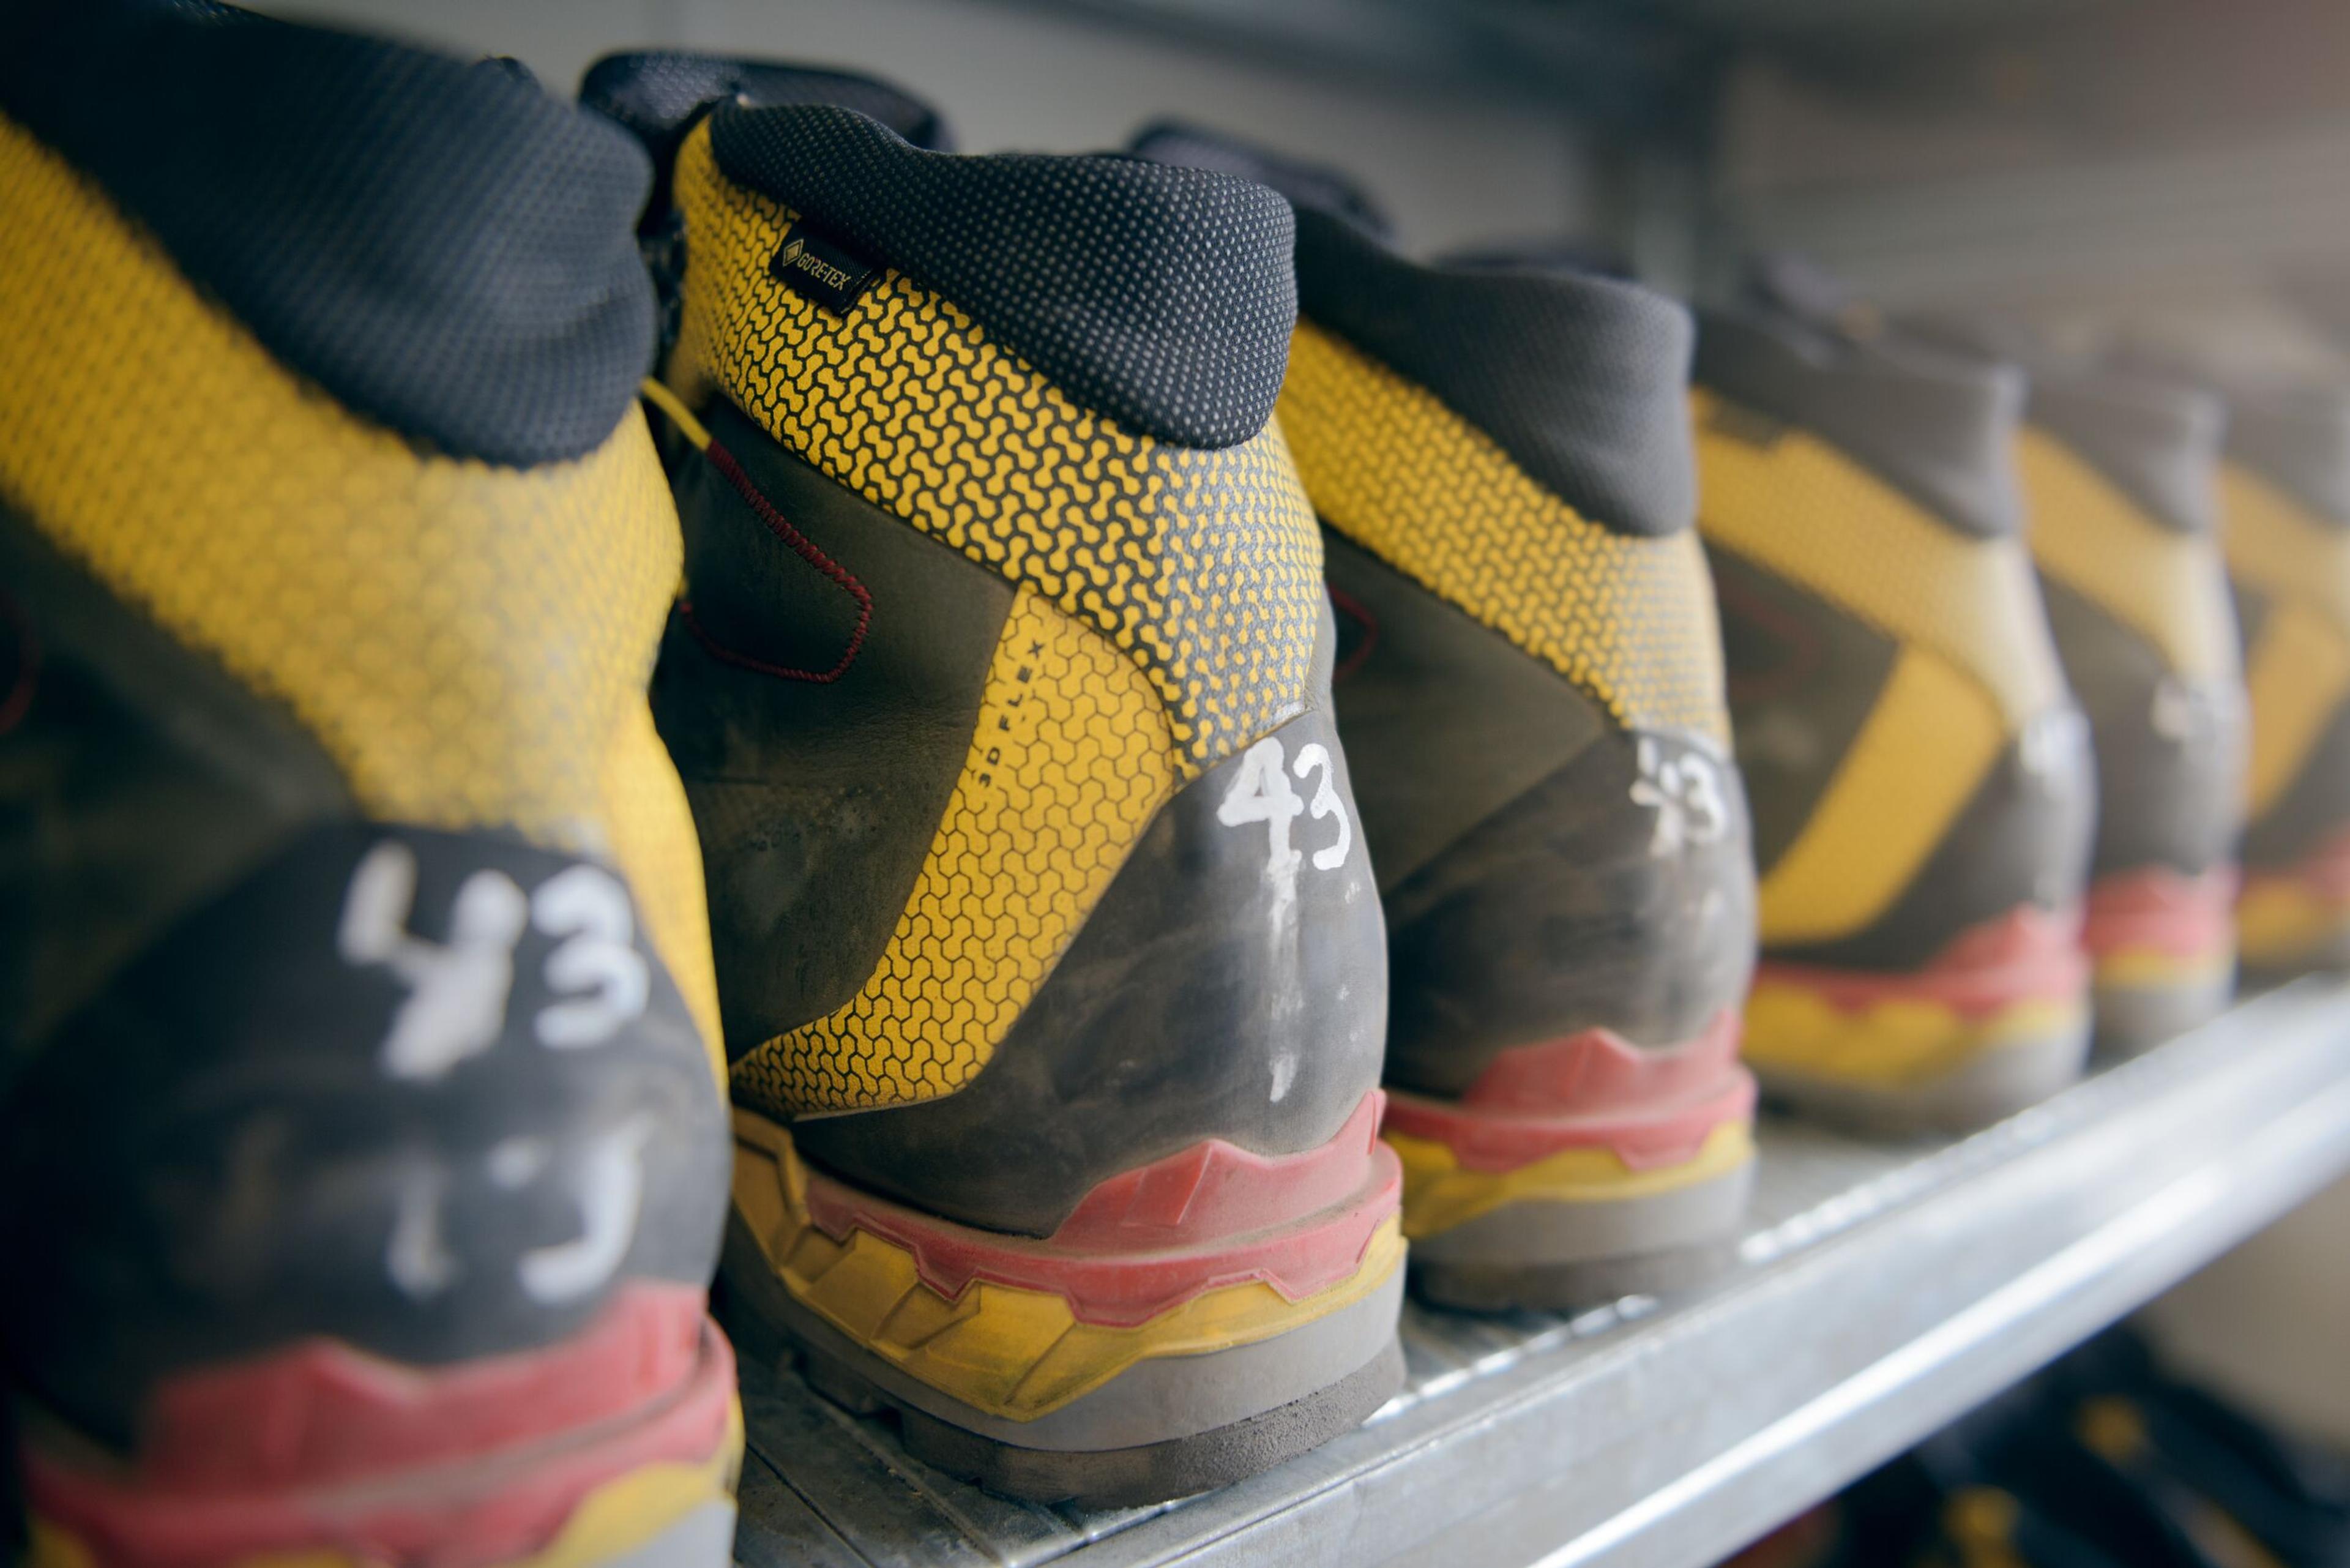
<point x="2149" y="969"/>
<point x="1898" y="1040"/>
<point x="626" y="1513"/>
<point x="1011" y="1353"/>
<point x="1438" y="1194"/>
<point x="2279" y="923"/>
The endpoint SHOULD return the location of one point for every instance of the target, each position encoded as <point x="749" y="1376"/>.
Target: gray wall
<point x="1454" y="166"/>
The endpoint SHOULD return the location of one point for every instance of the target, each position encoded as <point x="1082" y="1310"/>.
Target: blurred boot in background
<point x="2119" y="472"/>
<point x="362" y="1147"/>
<point x="1920" y="778"/>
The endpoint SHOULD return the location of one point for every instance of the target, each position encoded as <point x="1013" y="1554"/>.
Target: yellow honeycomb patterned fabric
<point x="470" y="644"/>
<point x="1802" y="511"/>
<point x="1203" y="566"/>
<point x="1071" y="758"/>
<point x="2298" y="672"/>
<point x="2168" y="586"/>
<point x="1630" y="620"/>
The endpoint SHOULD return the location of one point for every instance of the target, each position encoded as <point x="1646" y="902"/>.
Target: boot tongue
<point x="660" y="94"/>
<point x="1314" y="187"/>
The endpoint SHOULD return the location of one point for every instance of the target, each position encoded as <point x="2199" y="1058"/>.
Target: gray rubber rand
<point x="2135" y="1019"/>
<point x="1558" y="1256"/>
<point x="1989" y="1086"/>
<point x="1163" y="1428"/>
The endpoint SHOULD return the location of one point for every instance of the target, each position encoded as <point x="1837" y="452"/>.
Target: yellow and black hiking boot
<point x="1530" y="676"/>
<point x="362" y="1151"/>
<point x="2286" y="526"/>
<point x="2120" y="469"/>
<point x="1919" y="776"/>
<point x="1048" y="951"/>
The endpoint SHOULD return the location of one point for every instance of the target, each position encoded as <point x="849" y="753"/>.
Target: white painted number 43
<point x="1262" y="793"/>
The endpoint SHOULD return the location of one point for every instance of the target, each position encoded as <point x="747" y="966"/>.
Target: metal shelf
<point x="1882" y="1290"/>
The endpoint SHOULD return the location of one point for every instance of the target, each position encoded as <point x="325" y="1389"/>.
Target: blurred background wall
<point x="1456" y="159"/>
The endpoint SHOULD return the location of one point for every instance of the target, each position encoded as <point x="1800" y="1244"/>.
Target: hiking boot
<point x="1530" y="679"/>
<point x="362" y="1150"/>
<point x="1920" y="779"/>
<point x="2119" y="470"/>
<point x="1049" y="956"/>
<point x="2285" y="527"/>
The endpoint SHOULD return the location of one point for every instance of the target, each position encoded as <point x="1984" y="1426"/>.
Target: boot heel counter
<point x="432" y="1095"/>
<point x="1615" y="894"/>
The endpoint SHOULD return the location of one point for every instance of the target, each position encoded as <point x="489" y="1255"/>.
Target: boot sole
<point x="614" y="1504"/>
<point x="1990" y="1086"/>
<point x="1100" y="1450"/>
<point x="1560" y="1256"/>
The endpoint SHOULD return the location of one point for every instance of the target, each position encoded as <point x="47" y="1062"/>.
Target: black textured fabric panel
<point x="1315" y="185"/>
<point x="816" y="802"/>
<point x="2298" y="439"/>
<point x="1582" y="379"/>
<point x="444" y="248"/>
<point x="1162" y="298"/>
<point x="1937" y="425"/>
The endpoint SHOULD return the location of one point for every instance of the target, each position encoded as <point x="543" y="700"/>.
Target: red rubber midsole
<point x="2158" y="909"/>
<point x="311" y="1457"/>
<point x="1209" y="1216"/>
<point x="2029" y="954"/>
<point x="1650" y="1106"/>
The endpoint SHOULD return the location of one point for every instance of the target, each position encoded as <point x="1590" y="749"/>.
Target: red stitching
<point x="805" y="548"/>
<point x="1353" y="609"/>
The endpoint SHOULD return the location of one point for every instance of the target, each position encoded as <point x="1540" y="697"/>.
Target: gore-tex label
<point x="809" y="263"/>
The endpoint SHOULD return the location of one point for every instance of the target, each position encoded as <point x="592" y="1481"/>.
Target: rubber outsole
<point x="2134" y="1020"/>
<point x="1538" y="1256"/>
<point x="1570" y="1287"/>
<point x="1989" y="1086"/>
<point x="1162" y="1428"/>
<point x="616" y="1494"/>
<point x="1130" y="1477"/>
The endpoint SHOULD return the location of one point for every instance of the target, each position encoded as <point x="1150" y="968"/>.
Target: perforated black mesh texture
<point x="444" y="248"/>
<point x="1315" y="185"/>
<point x="1161" y="297"/>
<point x="1583" y="380"/>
